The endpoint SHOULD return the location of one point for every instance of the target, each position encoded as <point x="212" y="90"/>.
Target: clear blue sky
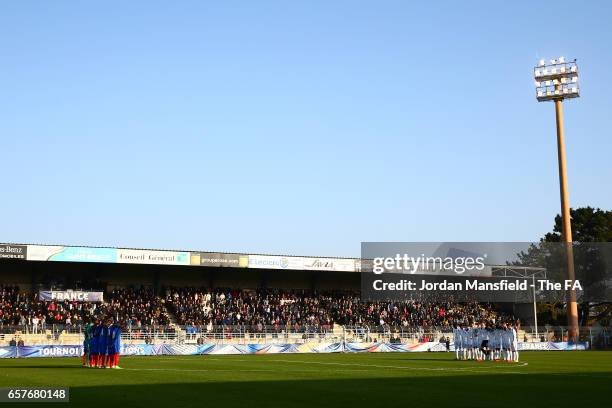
<point x="296" y="127"/>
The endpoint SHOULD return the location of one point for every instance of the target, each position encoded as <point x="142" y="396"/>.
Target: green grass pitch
<point x="541" y="379"/>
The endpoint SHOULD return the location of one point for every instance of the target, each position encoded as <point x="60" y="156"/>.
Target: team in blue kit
<point x="104" y="345"/>
<point x="114" y="344"/>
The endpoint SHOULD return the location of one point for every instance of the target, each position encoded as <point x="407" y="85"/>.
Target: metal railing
<point x="60" y="333"/>
<point x="396" y="334"/>
<point x="258" y="334"/>
<point x="598" y="337"/>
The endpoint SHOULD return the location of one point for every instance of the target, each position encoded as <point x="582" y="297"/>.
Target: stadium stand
<point x="134" y="307"/>
<point x="200" y="307"/>
<point x="199" y="314"/>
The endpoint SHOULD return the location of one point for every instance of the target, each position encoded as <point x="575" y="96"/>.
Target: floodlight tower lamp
<point x="555" y="82"/>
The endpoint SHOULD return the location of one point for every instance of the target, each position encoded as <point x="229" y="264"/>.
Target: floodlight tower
<point x="555" y="82"/>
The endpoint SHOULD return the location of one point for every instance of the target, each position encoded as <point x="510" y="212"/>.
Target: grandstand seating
<point x="296" y="309"/>
<point x="133" y="307"/>
<point x="304" y="309"/>
<point x="187" y="315"/>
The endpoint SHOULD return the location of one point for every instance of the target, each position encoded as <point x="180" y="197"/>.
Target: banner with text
<point x="217" y="259"/>
<point x="152" y="257"/>
<point x="71" y="254"/>
<point x="327" y="264"/>
<point x="301" y="263"/>
<point x="9" y="251"/>
<point x="71" y="295"/>
<point x="273" y="348"/>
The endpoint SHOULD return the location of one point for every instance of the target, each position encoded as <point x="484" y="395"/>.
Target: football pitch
<point x="556" y="379"/>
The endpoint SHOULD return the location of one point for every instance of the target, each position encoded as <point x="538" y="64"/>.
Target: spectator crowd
<point x="203" y="309"/>
<point x="135" y="307"/>
<point x="303" y="309"/>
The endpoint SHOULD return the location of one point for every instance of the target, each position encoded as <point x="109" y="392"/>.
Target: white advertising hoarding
<point x="152" y="257"/>
<point x="162" y="257"/>
<point x="328" y="264"/>
<point x="71" y="254"/>
<point x="301" y="263"/>
<point x="273" y="262"/>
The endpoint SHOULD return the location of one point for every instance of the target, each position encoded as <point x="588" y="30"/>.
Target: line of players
<point x="102" y="344"/>
<point x="482" y="342"/>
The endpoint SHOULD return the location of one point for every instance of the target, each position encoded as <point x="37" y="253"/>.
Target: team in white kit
<point x="482" y="343"/>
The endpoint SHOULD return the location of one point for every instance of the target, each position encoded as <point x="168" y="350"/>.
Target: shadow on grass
<point x="41" y="366"/>
<point x="491" y="390"/>
<point x="411" y="358"/>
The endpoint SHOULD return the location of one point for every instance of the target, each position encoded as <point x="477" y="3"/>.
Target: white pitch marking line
<point x="475" y="369"/>
<point x="194" y="370"/>
<point x="460" y="369"/>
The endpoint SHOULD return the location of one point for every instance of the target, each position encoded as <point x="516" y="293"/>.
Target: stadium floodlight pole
<point x="535" y="308"/>
<point x="555" y="82"/>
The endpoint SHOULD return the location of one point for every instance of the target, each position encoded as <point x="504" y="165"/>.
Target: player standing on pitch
<point x="457" y="342"/>
<point x="514" y="344"/>
<point x="103" y="345"/>
<point x="93" y="344"/>
<point x="114" y="346"/>
<point x="87" y="345"/>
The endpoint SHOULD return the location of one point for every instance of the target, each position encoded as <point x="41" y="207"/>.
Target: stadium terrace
<point x="51" y="294"/>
